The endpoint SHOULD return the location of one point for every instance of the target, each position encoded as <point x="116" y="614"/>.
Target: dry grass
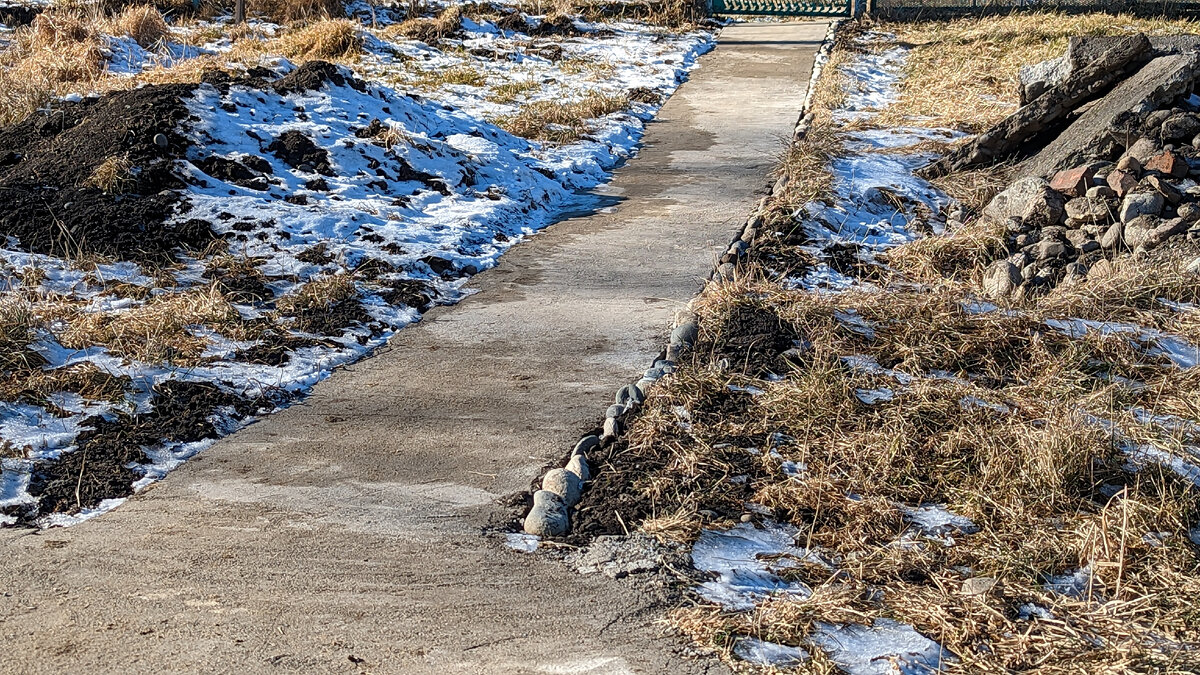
<point x="288" y="11"/>
<point x="962" y="73"/>
<point x="458" y="75"/>
<point x="157" y="331"/>
<point x="1030" y="477"/>
<point x="430" y="30"/>
<point x="60" y="52"/>
<point x="319" y="294"/>
<point x="113" y="175"/>
<point x="17" y="326"/>
<point x="328" y="39"/>
<point x="510" y="92"/>
<point x="960" y="255"/>
<point x="997" y="423"/>
<point x="143" y="23"/>
<point x="561" y="122"/>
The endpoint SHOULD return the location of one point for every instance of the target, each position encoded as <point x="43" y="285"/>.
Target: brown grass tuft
<point x="430" y="30"/>
<point x="289" y="11"/>
<point x="143" y="23"/>
<point x="155" y="332"/>
<point x="329" y="39"/>
<point x="113" y="175"/>
<point x="561" y="122"/>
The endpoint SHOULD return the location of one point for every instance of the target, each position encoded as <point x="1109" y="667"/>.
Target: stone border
<point x="819" y="61"/>
<point x="562" y="488"/>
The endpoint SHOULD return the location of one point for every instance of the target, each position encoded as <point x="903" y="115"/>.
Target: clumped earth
<point x="101" y="465"/>
<point x="116" y="192"/>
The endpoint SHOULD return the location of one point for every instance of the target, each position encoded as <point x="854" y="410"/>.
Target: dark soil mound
<point x="19" y="15"/>
<point x="98" y="468"/>
<point x="89" y="177"/>
<point x="555" y="25"/>
<point x="313" y="75"/>
<point x="297" y="150"/>
<point x="513" y="21"/>
<point x="750" y="337"/>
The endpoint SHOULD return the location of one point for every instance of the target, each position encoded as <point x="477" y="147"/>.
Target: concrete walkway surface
<point x="344" y="534"/>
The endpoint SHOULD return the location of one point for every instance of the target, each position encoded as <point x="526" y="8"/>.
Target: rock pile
<point x="1112" y="169"/>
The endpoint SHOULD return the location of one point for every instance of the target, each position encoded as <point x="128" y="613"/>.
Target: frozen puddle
<point x="746" y="560"/>
<point x="763" y="653"/>
<point x="884" y="648"/>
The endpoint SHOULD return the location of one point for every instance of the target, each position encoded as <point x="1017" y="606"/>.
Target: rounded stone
<point x="611" y="427"/>
<point x="161" y="140"/>
<point x="586" y="444"/>
<point x="674" y="352"/>
<point x="653" y="374"/>
<point x="643" y="385"/>
<point x="548" y="517"/>
<point x="564" y="484"/>
<point x="685" y="333"/>
<point x="579" y="467"/>
<point x="630" y="395"/>
<point x="727" y="271"/>
<point x="614" y="410"/>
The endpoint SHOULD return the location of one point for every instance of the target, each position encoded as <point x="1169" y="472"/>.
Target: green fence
<point x="833" y="8"/>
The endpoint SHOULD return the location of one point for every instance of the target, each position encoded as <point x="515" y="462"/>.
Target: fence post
<point x="239" y="11"/>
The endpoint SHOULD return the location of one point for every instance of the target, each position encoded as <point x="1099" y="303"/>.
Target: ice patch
<point x="1073" y="584"/>
<point x="745" y="559"/>
<point x="763" y="653"/>
<point x="525" y="543"/>
<point x="1154" y="342"/>
<point x="873" y="396"/>
<point x="886" y="647"/>
<point x="937" y="521"/>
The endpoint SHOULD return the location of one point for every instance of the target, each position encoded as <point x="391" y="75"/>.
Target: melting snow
<point x="525" y="543"/>
<point x="884" y="648"/>
<point x="745" y="559"/>
<point x="762" y="653"/>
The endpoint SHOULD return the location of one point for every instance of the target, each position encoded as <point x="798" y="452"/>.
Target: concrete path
<point x="343" y="534"/>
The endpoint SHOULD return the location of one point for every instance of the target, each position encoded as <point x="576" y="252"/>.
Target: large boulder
<point x="1106" y="126"/>
<point x="1037" y="78"/>
<point x="1030" y="199"/>
<point x="1049" y="111"/>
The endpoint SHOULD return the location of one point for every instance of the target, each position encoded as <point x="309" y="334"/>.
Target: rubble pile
<point x="1107" y="145"/>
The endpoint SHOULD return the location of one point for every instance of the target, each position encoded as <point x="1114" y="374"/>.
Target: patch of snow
<point x="886" y="647"/>
<point x="873" y="396"/>
<point x="1072" y="584"/>
<point x="519" y="541"/>
<point x="1154" y="342"/>
<point x="1030" y="611"/>
<point x="851" y="320"/>
<point x="763" y="653"/>
<point x="67" y="520"/>
<point x="745" y="559"/>
<point x="937" y="520"/>
<point x="968" y="402"/>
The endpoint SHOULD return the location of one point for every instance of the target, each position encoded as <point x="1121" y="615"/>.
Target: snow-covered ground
<point x="422" y="185"/>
